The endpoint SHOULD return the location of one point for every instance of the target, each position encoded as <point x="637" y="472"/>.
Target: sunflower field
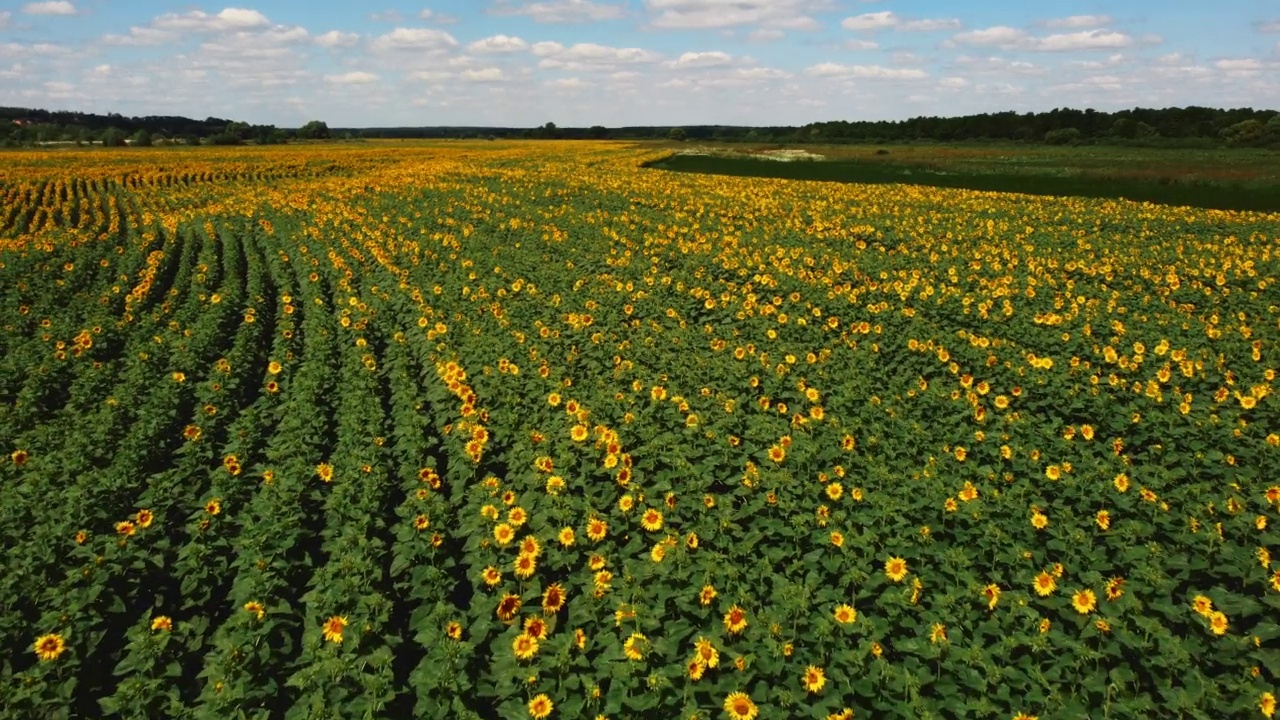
<point x="504" y="430"/>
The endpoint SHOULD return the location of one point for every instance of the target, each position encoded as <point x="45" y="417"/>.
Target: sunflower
<point x="332" y="628"/>
<point x="938" y="633"/>
<point x="1218" y="623"/>
<point x="596" y="529"/>
<point x="525" y="565"/>
<point x="1203" y="605"/>
<point x="213" y="506"/>
<point x="1045" y="625"/>
<point x="192" y="433"/>
<point x="651" y="520"/>
<point x="49" y="647"/>
<point x="706" y="595"/>
<point x="776" y="454"/>
<point x="491" y="576"/>
<point x="454" y="630"/>
<point x="735" y="621"/>
<point x="579" y="433"/>
<point x="1084" y="601"/>
<point x="126" y="528"/>
<point x="705" y="652"/>
<point x="508" y="607"/>
<point x="274" y="367"/>
<point x="517" y="516"/>
<point x="525" y="646"/>
<point x="540" y="706"/>
<point x="1103" y="519"/>
<point x="877" y="649"/>
<point x="691" y="541"/>
<point x="1045" y="584"/>
<point x="834" y="491"/>
<point x="969" y="493"/>
<point x="635" y="647"/>
<point x="19" y="458"/>
<point x="421" y="522"/>
<point x="537" y="628"/>
<point x="1121" y="482"/>
<point x="1039" y="520"/>
<point x="1267" y="705"/>
<point x="1115" y="588"/>
<point x="950" y="505"/>
<point x="992" y="593"/>
<point x="325" y="471"/>
<point x="256" y="609"/>
<point x="814" y="679"/>
<point x="895" y="568"/>
<point x="696" y="669"/>
<point x="503" y="534"/>
<point x="837" y="538"/>
<point x="162" y="622"/>
<point x="596" y="562"/>
<point x="1024" y="716"/>
<point x="845" y="614"/>
<point x="530" y="546"/>
<point x="740" y="707"/>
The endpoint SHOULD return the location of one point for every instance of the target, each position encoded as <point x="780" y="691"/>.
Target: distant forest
<point x="1174" y="127"/>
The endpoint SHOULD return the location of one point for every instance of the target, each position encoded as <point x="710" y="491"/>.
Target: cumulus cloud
<point x="1239" y="65"/>
<point x="420" y="39"/>
<point x="861" y="44"/>
<point x="1269" y="27"/>
<point x="4" y="19"/>
<point x="562" y="11"/>
<point x="140" y="36"/>
<point x="498" y="44"/>
<point x="835" y="70"/>
<point x="702" y="59"/>
<point x="1009" y="38"/>
<point x="229" y="19"/>
<point x="870" y="21"/>
<point x="351" y="78"/>
<point x="489" y="74"/>
<point x="590" y="56"/>
<point x="337" y="38"/>
<point x="53" y="7"/>
<point x="728" y="13"/>
<point x="885" y="19"/>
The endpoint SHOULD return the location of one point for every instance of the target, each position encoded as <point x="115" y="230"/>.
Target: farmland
<point x="530" y="430"/>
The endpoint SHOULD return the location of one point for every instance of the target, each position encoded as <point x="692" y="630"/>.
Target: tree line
<point x="28" y="126"/>
<point x="1175" y="127"/>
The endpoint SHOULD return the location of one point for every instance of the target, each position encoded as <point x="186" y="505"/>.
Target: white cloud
<point x="727" y="13"/>
<point x="590" y="56"/>
<point x="4" y="19"/>
<point x="953" y="83"/>
<point x="1008" y="38"/>
<point x="228" y="19"/>
<point x="101" y="70"/>
<point x="571" y="83"/>
<point x="1083" y="40"/>
<point x="861" y="45"/>
<point x="140" y="36"/>
<point x="498" y="44"/>
<point x="870" y="21"/>
<point x="52" y="7"/>
<point x="834" y="70"/>
<point x="351" y="78"/>
<point x="336" y="38"/>
<point x="1078" y="22"/>
<point x="766" y="34"/>
<point x="930" y="25"/>
<point x="702" y="59"/>
<point x="1000" y="35"/>
<point x="426" y="14"/>
<point x="563" y="11"/>
<point x="424" y="39"/>
<point x="761" y="73"/>
<point x="490" y="74"/>
<point x="1269" y="27"/>
<point x="1239" y="65"/>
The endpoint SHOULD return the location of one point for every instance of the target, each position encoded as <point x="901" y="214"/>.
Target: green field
<point x="1220" y="179"/>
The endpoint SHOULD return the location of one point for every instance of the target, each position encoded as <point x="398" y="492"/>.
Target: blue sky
<point x="614" y="62"/>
